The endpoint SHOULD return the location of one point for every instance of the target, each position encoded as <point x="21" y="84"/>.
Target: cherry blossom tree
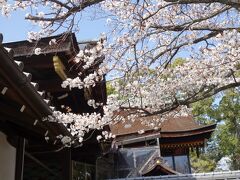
<point x="144" y="39"/>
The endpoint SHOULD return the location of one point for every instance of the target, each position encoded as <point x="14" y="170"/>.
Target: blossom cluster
<point x="87" y="59"/>
<point x="80" y="124"/>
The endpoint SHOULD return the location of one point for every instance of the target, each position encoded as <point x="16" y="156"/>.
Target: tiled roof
<point x="172" y="124"/>
<point x="67" y="42"/>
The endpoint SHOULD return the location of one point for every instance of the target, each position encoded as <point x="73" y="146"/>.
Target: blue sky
<point x="15" y="28"/>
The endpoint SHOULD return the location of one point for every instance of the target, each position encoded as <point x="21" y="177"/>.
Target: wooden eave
<point x="67" y="43"/>
<point x="183" y="144"/>
<point x="22" y="92"/>
<point x="197" y="131"/>
<point x="171" y="134"/>
<point x="42" y="69"/>
<point x="43" y="73"/>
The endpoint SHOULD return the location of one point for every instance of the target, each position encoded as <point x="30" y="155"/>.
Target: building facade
<point x="30" y="89"/>
<point x="141" y="150"/>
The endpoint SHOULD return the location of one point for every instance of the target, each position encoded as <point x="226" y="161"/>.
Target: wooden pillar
<point x="67" y="167"/>
<point x="159" y="147"/>
<point x="189" y="164"/>
<point x="197" y="151"/>
<point x="20" y="158"/>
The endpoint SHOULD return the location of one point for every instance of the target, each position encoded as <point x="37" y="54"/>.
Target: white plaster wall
<point x="7" y="159"/>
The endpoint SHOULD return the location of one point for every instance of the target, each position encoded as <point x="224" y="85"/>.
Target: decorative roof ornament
<point x="59" y="67"/>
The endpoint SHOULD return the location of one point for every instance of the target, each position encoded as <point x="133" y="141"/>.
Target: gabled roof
<point x="156" y="167"/>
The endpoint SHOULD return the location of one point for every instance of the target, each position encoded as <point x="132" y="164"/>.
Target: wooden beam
<point x="20" y="158"/>
<point x="36" y="148"/>
<point x="51" y="85"/>
<point x="38" y="64"/>
<point x="16" y="102"/>
<point x="13" y="112"/>
<point x="40" y="164"/>
<point x="24" y="121"/>
<point x="22" y="128"/>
